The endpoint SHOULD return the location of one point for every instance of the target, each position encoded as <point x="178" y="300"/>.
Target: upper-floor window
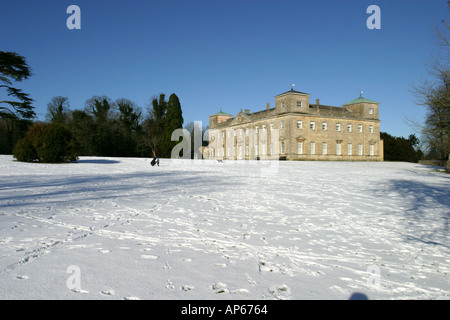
<point x="282" y="104"/>
<point x="312" y="125"/>
<point x="324" y="126"/>
<point x="299" y="104"/>
<point x="338" y="127"/>
<point x="299" y="124"/>
<point x="360" y="128"/>
<point x="370" y="111"/>
<point x="349" y="128"/>
<point x="282" y="124"/>
<point x="371" y="129"/>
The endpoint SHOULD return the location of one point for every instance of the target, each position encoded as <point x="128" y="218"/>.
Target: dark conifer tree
<point x="173" y="120"/>
<point x="16" y="110"/>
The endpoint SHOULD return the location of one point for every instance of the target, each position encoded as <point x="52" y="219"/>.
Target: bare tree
<point x="435" y="97"/>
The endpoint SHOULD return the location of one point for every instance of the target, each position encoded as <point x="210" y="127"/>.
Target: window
<point x="312" y="148"/>
<point x="299" y="104"/>
<point x="360" y="149"/>
<point x="371" y="150"/>
<point x="271" y="126"/>
<point x="264" y="149"/>
<point x="324" y="148"/>
<point x="360" y="128"/>
<point x="312" y="125"/>
<point x="349" y="149"/>
<point x="282" y="147"/>
<point x="234" y="132"/>
<point x="299" y="124"/>
<point x="299" y="147"/>
<point x="349" y="128"/>
<point x="324" y="126"/>
<point x="338" y="149"/>
<point x="370" y="111"/>
<point x="371" y="129"/>
<point x="228" y="152"/>
<point x="240" y="152"/>
<point x="264" y="127"/>
<point x="282" y="124"/>
<point x="246" y="150"/>
<point x="338" y="127"/>
<point x="256" y="129"/>
<point x="282" y="104"/>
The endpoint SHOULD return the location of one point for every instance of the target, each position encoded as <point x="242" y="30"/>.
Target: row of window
<point x="300" y="149"/>
<point x="312" y="148"/>
<point x="312" y="126"/>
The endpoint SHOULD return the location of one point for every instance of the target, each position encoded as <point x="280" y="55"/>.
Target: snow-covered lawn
<point x="118" y="228"/>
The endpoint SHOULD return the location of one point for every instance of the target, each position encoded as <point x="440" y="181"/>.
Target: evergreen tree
<point x="82" y="127"/>
<point x="173" y="121"/>
<point x="400" y="149"/>
<point x="129" y="125"/>
<point x="103" y="135"/>
<point x="46" y="143"/>
<point x="16" y="111"/>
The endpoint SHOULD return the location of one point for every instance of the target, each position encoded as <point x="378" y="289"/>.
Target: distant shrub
<point x="46" y="143"/>
<point x="24" y="151"/>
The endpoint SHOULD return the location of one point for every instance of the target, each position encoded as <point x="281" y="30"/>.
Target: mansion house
<point x="295" y="129"/>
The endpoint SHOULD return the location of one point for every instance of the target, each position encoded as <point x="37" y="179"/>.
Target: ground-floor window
<point x="312" y="148"/>
<point x="299" y="147"/>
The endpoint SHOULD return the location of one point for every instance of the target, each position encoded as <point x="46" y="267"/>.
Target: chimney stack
<point x="317" y="101"/>
<point x="268" y="106"/>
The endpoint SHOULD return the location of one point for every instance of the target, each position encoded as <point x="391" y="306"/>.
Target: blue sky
<point x="229" y="54"/>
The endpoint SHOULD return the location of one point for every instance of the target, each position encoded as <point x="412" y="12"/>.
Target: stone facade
<point x="297" y="130"/>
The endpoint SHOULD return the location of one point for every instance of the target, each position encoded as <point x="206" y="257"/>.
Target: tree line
<point x="116" y="128"/>
<point x="400" y="148"/>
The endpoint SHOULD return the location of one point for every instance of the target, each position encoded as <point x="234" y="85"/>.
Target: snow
<point x="118" y="228"/>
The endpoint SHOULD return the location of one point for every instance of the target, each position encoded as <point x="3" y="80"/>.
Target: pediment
<point x="240" y="119"/>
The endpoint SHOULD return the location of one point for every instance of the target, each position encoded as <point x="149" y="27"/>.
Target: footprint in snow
<point x="108" y="292"/>
<point x="187" y="287"/>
